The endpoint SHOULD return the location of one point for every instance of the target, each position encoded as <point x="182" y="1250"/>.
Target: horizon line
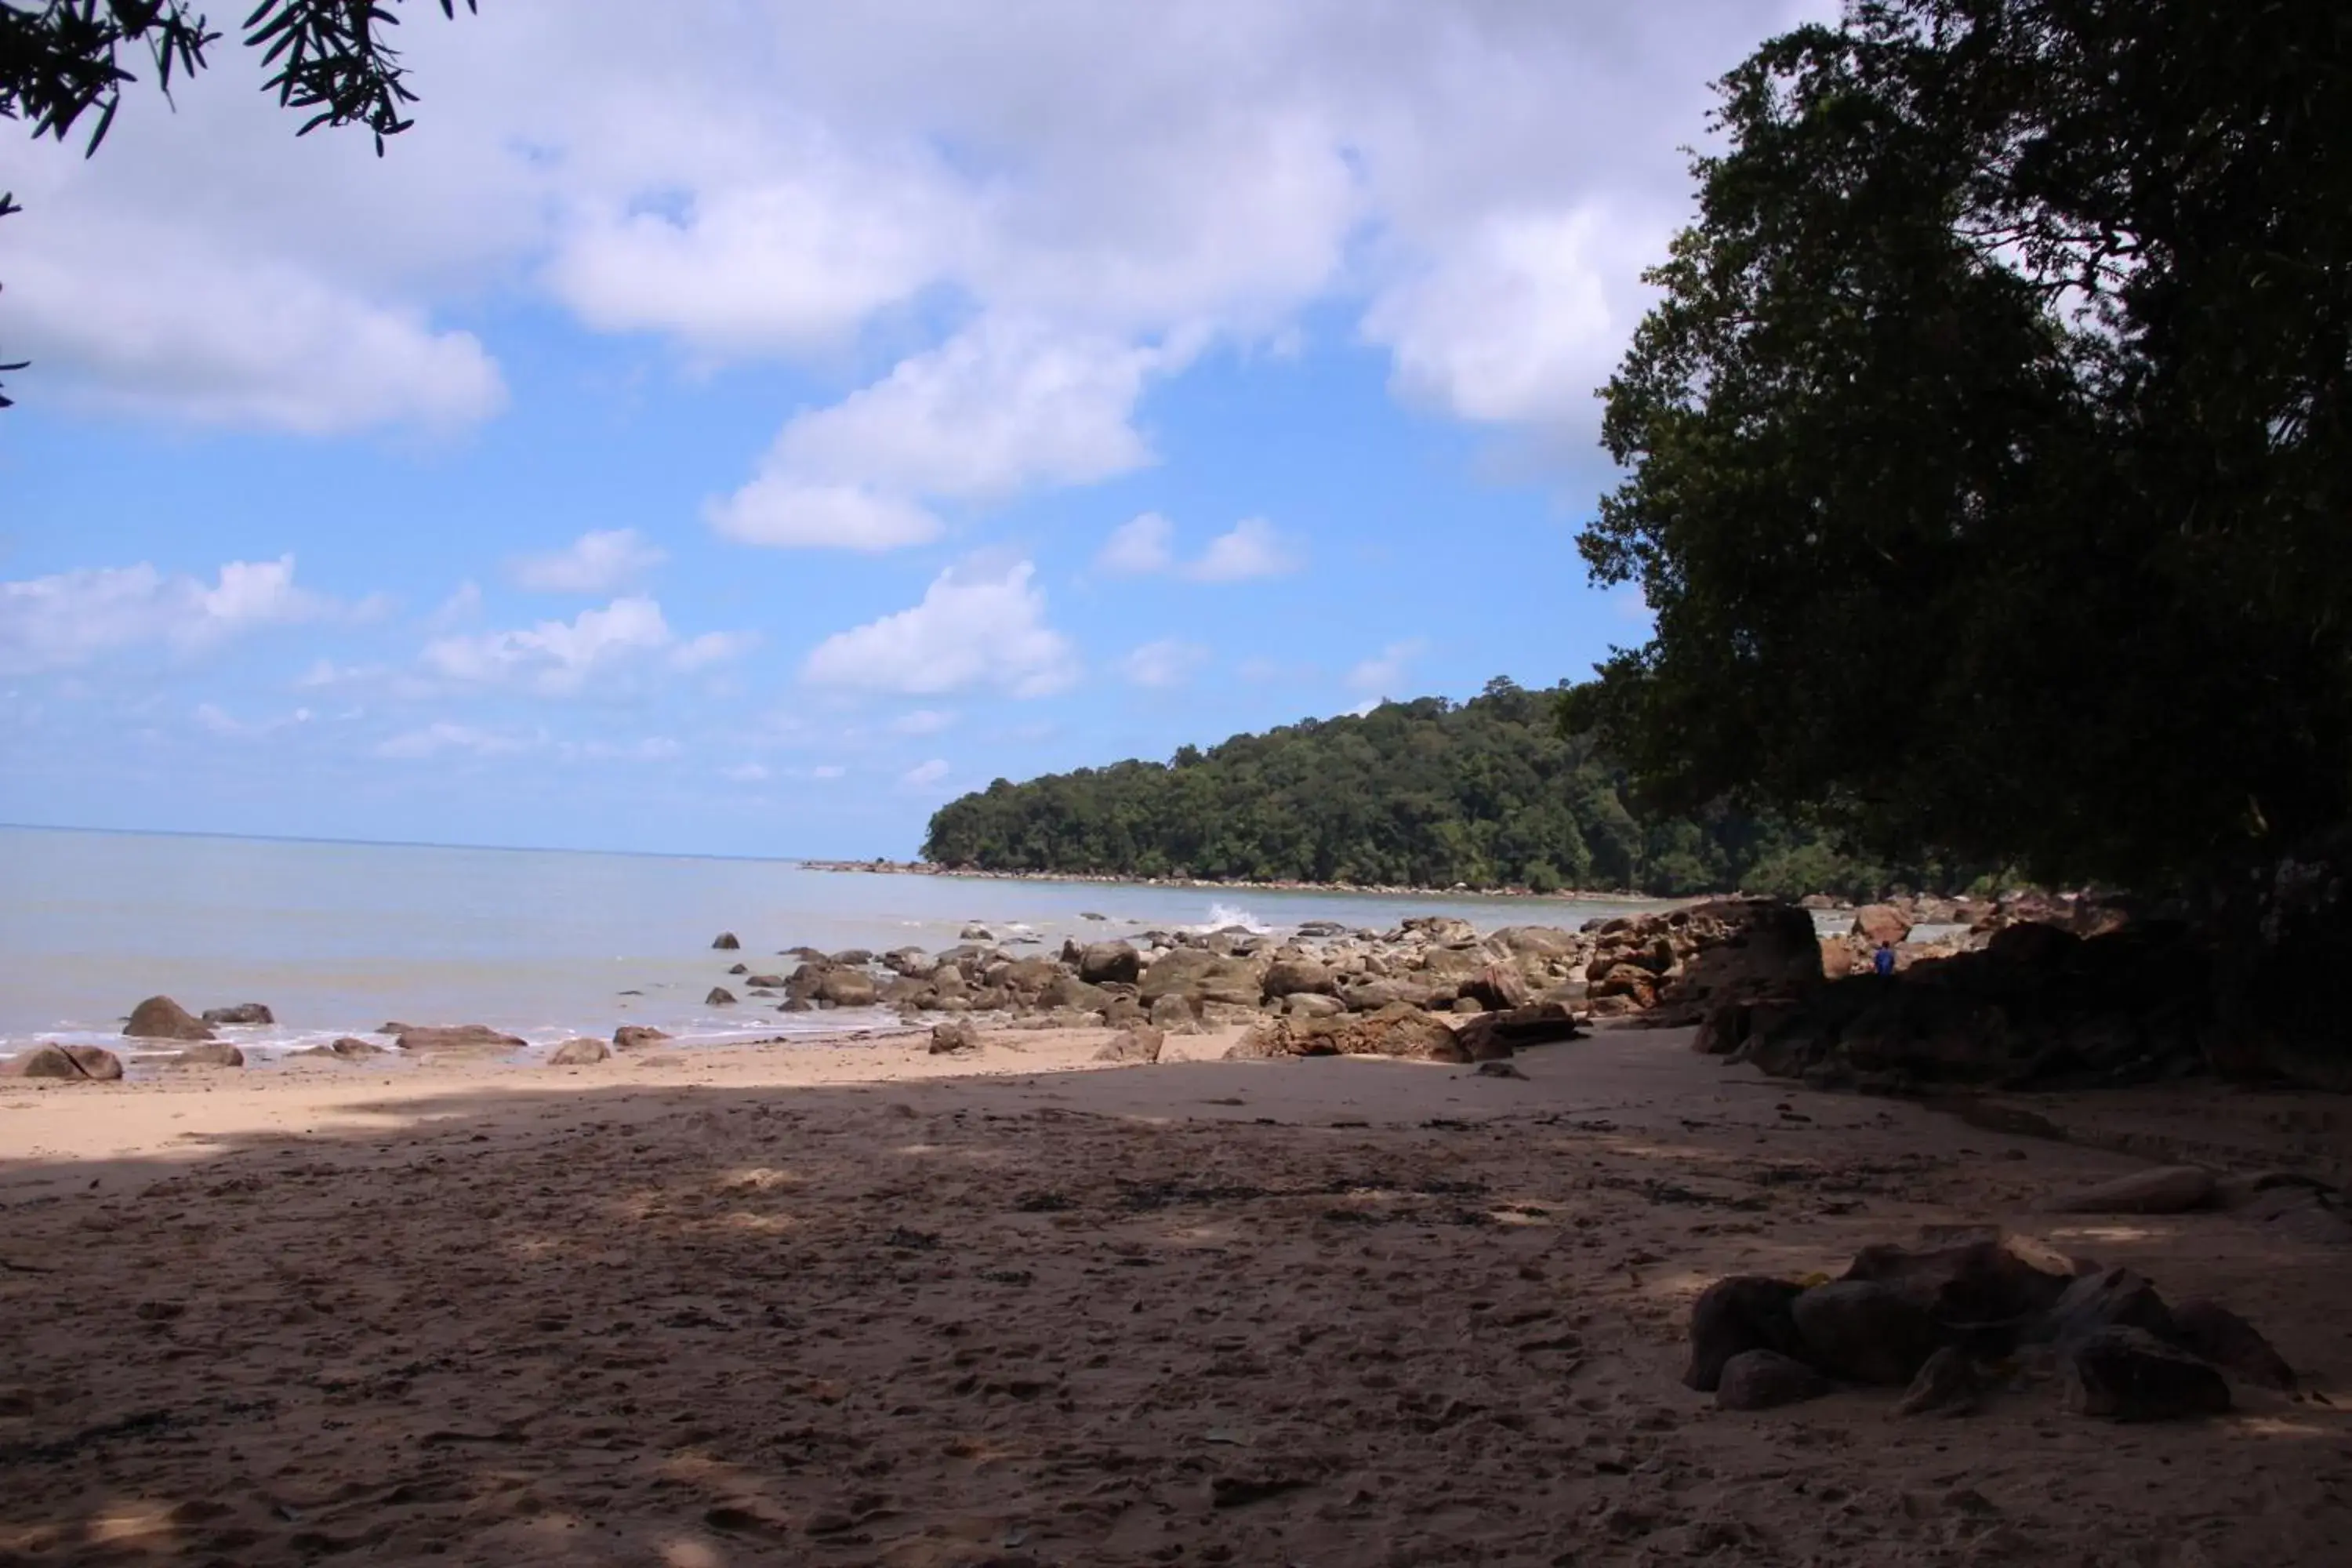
<point x="412" y="843"/>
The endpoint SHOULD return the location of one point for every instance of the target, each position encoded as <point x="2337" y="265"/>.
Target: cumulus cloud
<point x="598" y="561"/>
<point x="1139" y="547"/>
<point x="558" y="658"/>
<point x="1171" y="661"/>
<point x="780" y="509"/>
<point x="978" y="626"/>
<point x="1382" y="675"/>
<point x="923" y="775"/>
<point x="1146" y="546"/>
<point x="73" y="618"/>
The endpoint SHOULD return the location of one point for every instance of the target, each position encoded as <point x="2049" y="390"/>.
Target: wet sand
<point x="864" y="1305"/>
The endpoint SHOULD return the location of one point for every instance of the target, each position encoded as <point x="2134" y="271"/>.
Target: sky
<point x="742" y="433"/>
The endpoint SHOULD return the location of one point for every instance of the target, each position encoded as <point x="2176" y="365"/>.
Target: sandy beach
<point x="860" y="1304"/>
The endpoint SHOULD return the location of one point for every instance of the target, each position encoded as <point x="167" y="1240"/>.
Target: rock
<point x="1091" y="915"/>
<point x="720" y="997"/>
<point x="1499" y="1069"/>
<point x="579" y="1054"/>
<point x="2212" y="1333"/>
<point x="1202" y="977"/>
<point x="762" y="982"/>
<point x="2113" y="1298"/>
<point x="725" y="941"/>
<point x="1109" y="963"/>
<point x="1761" y="1380"/>
<point x="1989" y="1292"/>
<point x="1498" y="987"/>
<point x="739" y="969"/>
<point x="853" y="958"/>
<point x="2125" y="1374"/>
<point x="1548" y="944"/>
<point x="2168" y="1189"/>
<point x="1132" y="1045"/>
<point x="975" y="933"/>
<point x="66" y="1064"/>
<point x="1371" y="996"/>
<point x="1744" y="1312"/>
<point x="1876" y="923"/>
<point x="849" y="988"/>
<point x="209" y="1054"/>
<point x="243" y="1013"/>
<point x="473" y="1038"/>
<point x="1865" y="1331"/>
<point x="953" y="1036"/>
<point x="1297" y="976"/>
<point x="629" y="1036"/>
<point x="1174" y="1016"/>
<point x="1308" y="1004"/>
<point x="161" y="1018"/>
<point x="352" y="1048"/>
<point x="1493" y="1035"/>
<point x="1947" y="1385"/>
<point x="911" y="962"/>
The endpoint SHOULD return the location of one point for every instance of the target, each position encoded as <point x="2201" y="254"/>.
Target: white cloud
<point x="1250" y="549"/>
<point x="217" y="720"/>
<point x="1168" y="662"/>
<point x="73" y="617"/>
<point x="463" y="605"/>
<point x="558" y="658"/>
<point x="745" y="773"/>
<point x="442" y="735"/>
<point x="1382" y="675"/>
<point x="778" y="509"/>
<point x="978" y="626"/>
<point x="921" y="722"/>
<point x="325" y="672"/>
<point x="922" y="775"/>
<point x="828" y="771"/>
<point x="598" y="561"/>
<point x="1139" y="547"/>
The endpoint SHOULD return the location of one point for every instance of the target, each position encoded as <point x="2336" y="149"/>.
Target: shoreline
<point x="1206" y="884"/>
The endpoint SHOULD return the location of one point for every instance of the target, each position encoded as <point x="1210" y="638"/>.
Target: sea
<point x="343" y="938"/>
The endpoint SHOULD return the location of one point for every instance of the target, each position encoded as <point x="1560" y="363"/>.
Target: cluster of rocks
<point x="1955" y="1324"/>
<point x="2036" y="1005"/>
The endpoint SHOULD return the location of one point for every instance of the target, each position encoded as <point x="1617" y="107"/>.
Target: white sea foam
<point x="1223" y="915"/>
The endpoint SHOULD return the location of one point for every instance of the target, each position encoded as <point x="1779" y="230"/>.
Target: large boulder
<point x="1735" y="950"/>
<point x="1395" y="1031"/>
<point x="1548" y="944"/>
<point x="1765" y="1380"/>
<point x="1174" y="1016"/>
<point x="1877" y="923"/>
<point x="2113" y="1298"/>
<point x="1490" y="1036"/>
<point x="725" y="941"/>
<point x="954" y="1036"/>
<point x="1110" y="963"/>
<point x="2166" y="1189"/>
<point x="1497" y="986"/>
<point x="161" y="1018"/>
<point x="1990" y="1291"/>
<point x="243" y="1013"/>
<point x="629" y="1036"/>
<point x="911" y="962"/>
<point x="65" y="1064"/>
<point x="1066" y="993"/>
<point x="1027" y="979"/>
<point x="1296" y="975"/>
<point x="459" y="1039"/>
<point x="2214" y="1333"/>
<point x="1865" y="1331"/>
<point x="1201" y="976"/>
<point x="720" y="996"/>
<point x="579" y="1054"/>
<point x="1744" y="1312"/>
<point x="1371" y="996"/>
<point x="849" y="988"/>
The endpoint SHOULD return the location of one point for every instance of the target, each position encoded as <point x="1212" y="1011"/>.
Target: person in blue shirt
<point x="1883" y="961"/>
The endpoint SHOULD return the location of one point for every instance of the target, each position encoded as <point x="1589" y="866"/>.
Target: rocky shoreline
<point x="1211" y="885"/>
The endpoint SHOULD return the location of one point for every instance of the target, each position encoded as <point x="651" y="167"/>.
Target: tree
<point x="63" y="60"/>
<point x="1987" y="459"/>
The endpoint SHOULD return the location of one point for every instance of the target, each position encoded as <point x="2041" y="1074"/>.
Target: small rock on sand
<point x="161" y="1018"/>
<point x="953" y="1036"/>
<point x="348" y="1048"/>
<point x="476" y="1037"/>
<point x="579" y="1053"/>
<point x="209" y="1054"/>
<point x="69" y="1064"/>
<point x="1761" y="1380"/>
<point x="2129" y="1374"/>
<point x="2168" y="1189"/>
<point x="1141" y="1044"/>
<point x="1947" y="1385"/>
<point x="629" y="1036"/>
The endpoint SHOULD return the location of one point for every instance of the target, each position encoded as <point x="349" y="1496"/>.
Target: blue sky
<point x="742" y="439"/>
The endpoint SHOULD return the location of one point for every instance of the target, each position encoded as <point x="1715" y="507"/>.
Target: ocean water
<point x="339" y="939"/>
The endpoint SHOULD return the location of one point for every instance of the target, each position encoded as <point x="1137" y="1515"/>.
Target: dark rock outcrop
<point x="1731" y="1317"/>
<point x="1490" y="1036"/>
<point x="243" y="1013"/>
<point x="476" y="1040"/>
<point x="2124" y="1374"/>
<point x="65" y="1064"/>
<point x="1766" y="1380"/>
<point x="161" y="1018"/>
<point x="720" y="996"/>
<point x="629" y="1036"/>
<point x="1865" y="1331"/>
<point x="725" y="941"/>
<point x="209" y="1054"/>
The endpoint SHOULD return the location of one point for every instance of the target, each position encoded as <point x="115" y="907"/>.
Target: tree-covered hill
<point x="1486" y="794"/>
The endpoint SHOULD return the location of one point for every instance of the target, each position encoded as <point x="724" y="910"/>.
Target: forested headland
<point x="1486" y="794"/>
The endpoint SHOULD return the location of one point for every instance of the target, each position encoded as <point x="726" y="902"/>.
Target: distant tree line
<point x="1484" y="793"/>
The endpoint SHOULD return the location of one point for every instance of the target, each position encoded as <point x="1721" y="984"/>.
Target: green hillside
<point x="1488" y="794"/>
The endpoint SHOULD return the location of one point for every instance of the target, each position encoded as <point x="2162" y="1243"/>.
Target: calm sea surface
<point x="340" y="938"/>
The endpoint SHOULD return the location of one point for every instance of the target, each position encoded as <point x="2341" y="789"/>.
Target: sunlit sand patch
<point x="760" y="1178"/>
<point x="128" y="1524"/>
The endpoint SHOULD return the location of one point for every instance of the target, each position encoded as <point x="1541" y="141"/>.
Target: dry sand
<point x="863" y="1305"/>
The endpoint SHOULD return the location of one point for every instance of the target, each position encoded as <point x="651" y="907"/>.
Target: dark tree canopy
<point x="1989" y="456"/>
<point x="1485" y="794"/>
<point x="63" y="62"/>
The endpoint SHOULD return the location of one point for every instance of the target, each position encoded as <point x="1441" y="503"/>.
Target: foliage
<point x="63" y="60"/>
<point x="1989" y="470"/>
<point x="1486" y="794"/>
